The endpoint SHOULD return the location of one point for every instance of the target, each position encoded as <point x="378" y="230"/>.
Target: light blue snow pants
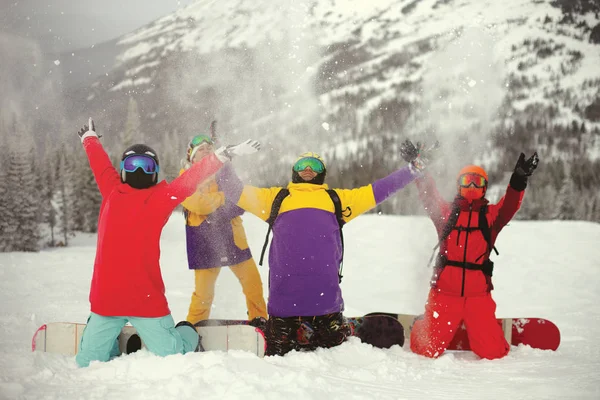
<point x="99" y="339"/>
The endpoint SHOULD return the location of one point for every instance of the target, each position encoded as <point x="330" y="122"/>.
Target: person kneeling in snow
<point x="127" y="284"/>
<point x="462" y="279"/>
<point x="305" y="299"/>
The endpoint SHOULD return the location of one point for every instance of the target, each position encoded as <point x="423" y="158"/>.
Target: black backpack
<point x="283" y="193"/>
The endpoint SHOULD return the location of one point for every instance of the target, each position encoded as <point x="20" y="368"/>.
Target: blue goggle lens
<point x="146" y="163"/>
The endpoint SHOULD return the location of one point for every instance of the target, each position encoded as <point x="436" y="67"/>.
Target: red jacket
<point x="466" y="245"/>
<point x="127" y="279"/>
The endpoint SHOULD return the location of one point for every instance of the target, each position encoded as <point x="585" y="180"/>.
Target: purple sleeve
<point x="226" y="212"/>
<point x="230" y="183"/>
<point x="385" y="187"/>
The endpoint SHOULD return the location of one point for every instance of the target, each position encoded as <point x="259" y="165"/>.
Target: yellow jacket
<point x="214" y="232"/>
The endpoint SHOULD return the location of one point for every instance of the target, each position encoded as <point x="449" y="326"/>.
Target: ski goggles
<point x="313" y="163"/>
<point x="199" y="139"/>
<point x="476" y="180"/>
<point x="133" y="162"/>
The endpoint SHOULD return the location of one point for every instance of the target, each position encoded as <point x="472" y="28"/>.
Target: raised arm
<point x="185" y="184"/>
<point x="419" y="156"/>
<point x="107" y="177"/>
<point x="360" y="200"/>
<point x="436" y="207"/>
<point x="511" y="201"/>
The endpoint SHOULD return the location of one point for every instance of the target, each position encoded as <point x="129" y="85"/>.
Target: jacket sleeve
<point x="385" y="187"/>
<point x="107" y="177"/>
<point x="356" y="201"/>
<point x="436" y="207"/>
<point x="507" y="207"/>
<point x="185" y="184"/>
<point x="360" y="200"/>
<point x="226" y="212"/>
<point x="257" y="201"/>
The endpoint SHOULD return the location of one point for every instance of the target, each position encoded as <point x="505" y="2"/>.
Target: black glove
<point x="523" y="170"/>
<point x="408" y="151"/>
<point x="420" y="155"/>
<point x="89" y="128"/>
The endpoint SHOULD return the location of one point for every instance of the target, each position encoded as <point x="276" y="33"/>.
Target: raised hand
<point x="408" y="151"/>
<point x="88" y="128"/>
<point x="248" y="147"/>
<point x="526" y="167"/>
<point x="420" y="155"/>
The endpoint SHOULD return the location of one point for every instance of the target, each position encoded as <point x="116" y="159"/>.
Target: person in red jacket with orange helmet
<point x="127" y="285"/>
<point x="462" y="281"/>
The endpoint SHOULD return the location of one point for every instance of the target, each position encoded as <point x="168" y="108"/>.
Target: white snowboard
<point x="64" y="338"/>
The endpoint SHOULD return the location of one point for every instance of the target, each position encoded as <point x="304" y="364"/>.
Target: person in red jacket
<point x="127" y="285"/>
<point x="462" y="281"/>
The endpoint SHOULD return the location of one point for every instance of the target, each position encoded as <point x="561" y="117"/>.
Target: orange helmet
<point x="476" y="189"/>
<point x="473" y="169"/>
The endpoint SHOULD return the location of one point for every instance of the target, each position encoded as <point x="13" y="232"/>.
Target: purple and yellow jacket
<point x="306" y="249"/>
<point x="214" y="232"/>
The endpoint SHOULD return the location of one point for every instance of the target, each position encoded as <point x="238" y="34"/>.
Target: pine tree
<point x="565" y="209"/>
<point x="5" y="243"/>
<point x="23" y="193"/>
<point x="87" y="205"/>
<point x="173" y="150"/>
<point x="49" y="213"/>
<point x="63" y="197"/>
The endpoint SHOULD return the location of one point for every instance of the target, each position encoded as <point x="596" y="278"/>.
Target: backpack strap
<point x="337" y="205"/>
<point x="283" y="193"/>
<point x="450" y="224"/>
<point x="485" y="229"/>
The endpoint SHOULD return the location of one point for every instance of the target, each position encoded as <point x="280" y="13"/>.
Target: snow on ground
<point x="545" y="269"/>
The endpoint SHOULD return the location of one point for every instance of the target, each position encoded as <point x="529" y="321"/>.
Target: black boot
<point x="259" y="322"/>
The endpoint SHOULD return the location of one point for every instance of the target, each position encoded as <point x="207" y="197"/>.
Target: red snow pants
<point x="431" y="335"/>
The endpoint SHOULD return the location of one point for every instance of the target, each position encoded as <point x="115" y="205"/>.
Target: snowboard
<point x="64" y="337"/>
<point x="376" y="329"/>
<point x="538" y="333"/>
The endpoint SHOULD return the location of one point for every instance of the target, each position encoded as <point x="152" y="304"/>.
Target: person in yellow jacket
<point x="216" y="238"/>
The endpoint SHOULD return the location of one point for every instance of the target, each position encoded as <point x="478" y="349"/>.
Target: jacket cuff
<point x="87" y="135"/>
<point x="518" y="182"/>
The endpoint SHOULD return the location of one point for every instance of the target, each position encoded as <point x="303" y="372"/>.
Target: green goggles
<point x="199" y="139"/>
<point x="313" y="163"/>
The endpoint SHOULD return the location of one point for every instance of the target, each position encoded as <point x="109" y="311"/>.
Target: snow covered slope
<point x="546" y="269"/>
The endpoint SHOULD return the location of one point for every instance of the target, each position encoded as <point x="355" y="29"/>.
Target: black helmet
<point x="140" y="149"/>
<point x="139" y="179"/>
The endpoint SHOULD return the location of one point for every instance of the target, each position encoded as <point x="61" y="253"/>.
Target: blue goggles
<point x="133" y="162"/>
<point x="313" y="163"/>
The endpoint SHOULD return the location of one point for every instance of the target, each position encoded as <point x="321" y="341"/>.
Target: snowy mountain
<point x="351" y="79"/>
<point x="545" y="269"/>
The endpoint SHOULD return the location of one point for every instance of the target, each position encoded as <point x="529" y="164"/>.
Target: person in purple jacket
<point x="215" y="238"/>
<point x="305" y="301"/>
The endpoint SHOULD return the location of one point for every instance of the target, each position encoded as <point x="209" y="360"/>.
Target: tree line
<point x="49" y="194"/>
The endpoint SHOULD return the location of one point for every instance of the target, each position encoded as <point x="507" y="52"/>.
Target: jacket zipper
<point x="462" y="289"/>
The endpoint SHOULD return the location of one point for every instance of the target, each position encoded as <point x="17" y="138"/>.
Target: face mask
<point x="471" y="193"/>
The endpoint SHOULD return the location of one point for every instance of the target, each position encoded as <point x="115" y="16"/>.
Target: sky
<point x="61" y="25"/>
<point x="552" y="274"/>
